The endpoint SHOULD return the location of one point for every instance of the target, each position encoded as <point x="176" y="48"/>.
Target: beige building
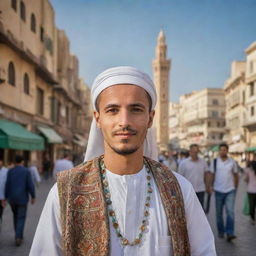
<point x="202" y="118"/>
<point x="174" y="125"/>
<point x="161" y="68"/>
<point x="235" y="96"/>
<point x="40" y="86"/>
<point x="250" y="80"/>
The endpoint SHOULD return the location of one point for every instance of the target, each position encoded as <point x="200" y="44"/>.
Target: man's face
<point x="223" y="152"/>
<point x="124" y="118"/>
<point x="194" y="151"/>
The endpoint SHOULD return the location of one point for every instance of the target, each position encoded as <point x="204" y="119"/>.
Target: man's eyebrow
<point x="137" y="105"/>
<point x="111" y="106"/>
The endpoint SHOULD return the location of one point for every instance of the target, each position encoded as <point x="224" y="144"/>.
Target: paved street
<point x="244" y="245"/>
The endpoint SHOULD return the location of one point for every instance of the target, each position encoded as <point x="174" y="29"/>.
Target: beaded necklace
<point x="111" y="212"/>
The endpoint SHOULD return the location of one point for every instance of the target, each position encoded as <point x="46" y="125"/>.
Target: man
<point x="63" y="164"/>
<point x="121" y="203"/>
<point x="3" y="176"/>
<point x="195" y="170"/>
<point x="225" y="182"/>
<point x="18" y="187"/>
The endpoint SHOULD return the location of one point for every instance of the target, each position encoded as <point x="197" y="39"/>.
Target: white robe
<point x="128" y="196"/>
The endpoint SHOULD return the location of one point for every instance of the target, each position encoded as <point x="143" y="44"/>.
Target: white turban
<point x="114" y="76"/>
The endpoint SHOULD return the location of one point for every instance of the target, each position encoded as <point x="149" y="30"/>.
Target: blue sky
<point x="203" y="36"/>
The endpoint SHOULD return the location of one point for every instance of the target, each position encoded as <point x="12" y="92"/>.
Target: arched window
<point x="14" y="4"/>
<point x="26" y="83"/>
<point x="11" y="74"/>
<point x="22" y="11"/>
<point x="33" y="22"/>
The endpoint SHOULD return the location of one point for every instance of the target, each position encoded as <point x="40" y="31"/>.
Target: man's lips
<point x="126" y="135"/>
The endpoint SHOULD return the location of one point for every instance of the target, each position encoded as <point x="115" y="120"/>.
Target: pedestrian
<point x="225" y="182"/>
<point x="47" y="166"/>
<point x="119" y="202"/>
<point x="3" y="176"/>
<point x="18" y="187"/>
<point x="63" y="164"/>
<point x="195" y="170"/>
<point x="183" y="155"/>
<point x="250" y="178"/>
<point x="34" y="173"/>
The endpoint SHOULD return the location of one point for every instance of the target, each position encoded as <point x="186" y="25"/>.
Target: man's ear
<point x="151" y="118"/>
<point x="96" y="115"/>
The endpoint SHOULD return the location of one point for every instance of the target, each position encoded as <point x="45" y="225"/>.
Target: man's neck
<point x="194" y="158"/>
<point x="223" y="158"/>
<point x="123" y="164"/>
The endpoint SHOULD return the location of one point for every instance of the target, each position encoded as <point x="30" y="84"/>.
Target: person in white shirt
<point x="3" y="177"/>
<point x="250" y="178"/>
<point x="122" y="202"/>
<point x="34" y="173"/>
<point x="225" y="182"/>
<point x="195" y="170"/>
<point x="62" y="164"/>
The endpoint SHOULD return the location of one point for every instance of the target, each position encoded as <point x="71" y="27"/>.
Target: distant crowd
<point x="219" y="176"/>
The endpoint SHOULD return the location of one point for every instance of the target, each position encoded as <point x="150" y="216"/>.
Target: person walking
<point x="120" y="201"/>
<point x="250" y="178"/>
<point x="63" y="164"/>
<point x="18" y="187"/>
<point x="195" y="170"/>
<point x="3" y="176"/>
<point x="225" y="182"/>
<point x="34" y="173"/>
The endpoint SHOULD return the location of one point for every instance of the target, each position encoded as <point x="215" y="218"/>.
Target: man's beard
<point x="124" y="152"/>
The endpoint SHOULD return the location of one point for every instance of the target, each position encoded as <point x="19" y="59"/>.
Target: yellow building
<point x="39" y="81"/>
<point x="235" y="96"/>
<point x="250" y="101"/>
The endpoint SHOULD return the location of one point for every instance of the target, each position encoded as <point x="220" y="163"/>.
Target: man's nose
<point x="124" y="118"/>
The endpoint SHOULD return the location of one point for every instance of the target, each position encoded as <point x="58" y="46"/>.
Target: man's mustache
<point x="125" y="129"/>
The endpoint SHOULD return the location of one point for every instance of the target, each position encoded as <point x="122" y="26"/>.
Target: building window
<point x="251" y="89"/>
<point x="40" y="101"/>
<point x="209" y="124"/>
<point x="252" y="111"/>
<point x="22" y="11"/>
<point x="42" y="34"/>
<point x="26" y="83"/>
<point x="58" y="112"/>
<point x="215" y="102"/>
<point x="33" y="23"/>
<point x="251" y="67"/>
<point x="11" y="74"/>
<point x="243" y="97"/>
<point x="215" y="113"/>
<point x="14" y="4"/>
<point x="67" y="115"/>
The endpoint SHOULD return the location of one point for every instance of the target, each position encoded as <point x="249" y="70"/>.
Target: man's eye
<point x="112" y="110"/>
<point x="137" y="110"/>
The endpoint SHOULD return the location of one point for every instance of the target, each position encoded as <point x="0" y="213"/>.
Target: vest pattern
<point x="84" y="217"/>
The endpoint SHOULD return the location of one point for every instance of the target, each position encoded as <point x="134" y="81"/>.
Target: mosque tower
<point x="161" y="66"/>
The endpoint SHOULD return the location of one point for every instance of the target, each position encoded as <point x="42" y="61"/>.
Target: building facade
<point x="40" y="85"/>
<point x="161" y="68"/>
<point x="235" y="97"/>
<point x="201" y="118"/>
<point x="250" y="101"/>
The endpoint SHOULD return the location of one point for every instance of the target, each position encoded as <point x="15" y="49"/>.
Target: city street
<point x="243" y="245"/>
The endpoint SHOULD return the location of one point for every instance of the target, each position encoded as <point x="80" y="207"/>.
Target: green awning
<point x="251" y="149"/>
<point x="15" y="136"/>
<point x="52" y="137"/>
<point x="215" y="148"/>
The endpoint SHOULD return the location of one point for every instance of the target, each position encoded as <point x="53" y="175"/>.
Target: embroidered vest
<point x="84" y="218"/>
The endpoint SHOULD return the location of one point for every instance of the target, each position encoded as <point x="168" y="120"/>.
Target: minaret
<point x="161" y="67"/>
